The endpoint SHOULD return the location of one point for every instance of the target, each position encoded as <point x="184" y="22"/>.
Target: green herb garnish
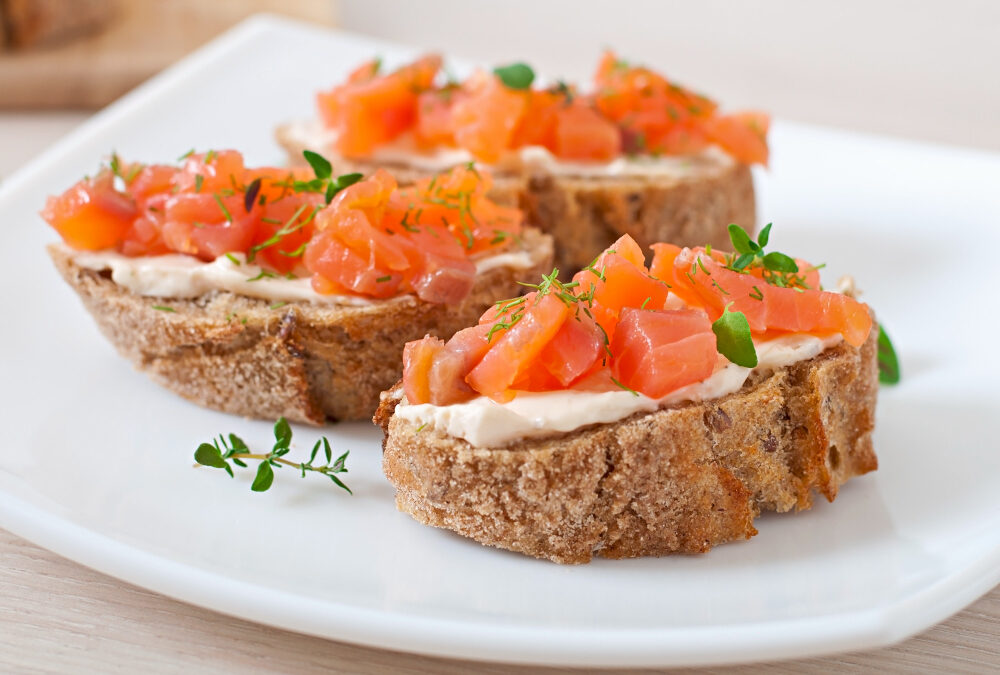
<point x="297" y="253"/>
<point x="516" y="75"/>
<point x="225" y="211"/>
<point x="219" y="452"/>
<point x="628" y="389"/>
<point x="324" y="182"/>
<point x="732" y="338"/>
<point x="888" y="363"/>
<point x="163" y="308"/>
<point x="320" y="165"/>
<point x="293" y="225"/>
<point x="778" y="269"/>
<point x="264" y="274"/>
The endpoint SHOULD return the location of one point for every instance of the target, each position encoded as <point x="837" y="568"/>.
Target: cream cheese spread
<point x="183" y="276"/>
<point x="485" y="423"/>
<point x="404" y="151"/>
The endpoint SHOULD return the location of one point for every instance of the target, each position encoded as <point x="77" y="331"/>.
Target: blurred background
<point x="925" y="70"/>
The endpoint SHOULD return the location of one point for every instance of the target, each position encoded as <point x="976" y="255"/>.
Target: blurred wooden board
<point x="145" y="37"/>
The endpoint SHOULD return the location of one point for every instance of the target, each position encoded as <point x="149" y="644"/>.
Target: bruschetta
<point x="266" y="292"/>
<point x="635" y="154"/>
<point x="638" y="410"/>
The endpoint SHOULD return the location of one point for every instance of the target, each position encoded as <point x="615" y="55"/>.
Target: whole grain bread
<point x="678" y="480"/>
<point x="305" y="361"/>
<point x="586" y="214"/>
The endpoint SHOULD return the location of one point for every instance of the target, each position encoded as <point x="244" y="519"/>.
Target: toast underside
<point x="678" y="480"/>
<point x="307" y="362"/>
<point x="585" y="215"/>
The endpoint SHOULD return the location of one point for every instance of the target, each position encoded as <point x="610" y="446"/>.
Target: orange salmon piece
<point x="515" y="348"/>
<point x="656" y="352"/>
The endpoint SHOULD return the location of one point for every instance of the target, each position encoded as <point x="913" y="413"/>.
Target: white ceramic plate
<point x="96" y="460"/>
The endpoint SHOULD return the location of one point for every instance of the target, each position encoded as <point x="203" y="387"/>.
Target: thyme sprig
<point x="752" y="252"/>
<point x="221" y="451"/>
<point x="325" y="182"/>
<point x="570" y="293"/>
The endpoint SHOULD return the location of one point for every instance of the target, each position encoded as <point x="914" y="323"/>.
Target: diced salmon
<point x="515" y="348"/>
<point x="485" y="120"/>
<point x="742" y="135"/>
<point x="658" y="351"/>
<point x="370" y="111"/>
<point x="618" y="279"/>
<point x="91" y="215"/>
<point x="417" y="359"/>
<point x="573" y="351"/>
<point x="769" y="307"/>
<point x="581" y="133"/>
<point x="450" y="365"/>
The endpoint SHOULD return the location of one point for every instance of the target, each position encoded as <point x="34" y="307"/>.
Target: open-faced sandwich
<point x="638" y="410"/>
<point x="268" y="292"/>
<point x="635" y="154"/>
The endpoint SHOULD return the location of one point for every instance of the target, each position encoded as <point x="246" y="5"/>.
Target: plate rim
<point x="705" y="645"/>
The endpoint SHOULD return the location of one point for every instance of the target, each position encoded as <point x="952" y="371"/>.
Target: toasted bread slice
<point x="586" y="214"/>
<point x="307" y="362"/>
<point x="678" y="480"/>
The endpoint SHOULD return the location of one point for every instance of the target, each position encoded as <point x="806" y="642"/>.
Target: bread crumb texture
<point x="679" y="480"/>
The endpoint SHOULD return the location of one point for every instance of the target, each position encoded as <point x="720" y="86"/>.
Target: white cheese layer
<point x="485" y="423"/>
<point x="183" y="276"/>
<point x="403" y="151"/>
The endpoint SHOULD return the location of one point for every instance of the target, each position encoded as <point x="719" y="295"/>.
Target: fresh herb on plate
<point x="219" y="453"/>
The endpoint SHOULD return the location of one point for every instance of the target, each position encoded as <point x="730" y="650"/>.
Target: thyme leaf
<point x="515" y="75"/>
<point x="733" y="339"/>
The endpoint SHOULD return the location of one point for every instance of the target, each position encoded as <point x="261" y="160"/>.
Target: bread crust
<point x="307" y="362"/>
<point x="586" y="214"/>
<point x="677" y="480"/>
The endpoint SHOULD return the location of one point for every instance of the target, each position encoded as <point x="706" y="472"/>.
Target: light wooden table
<point x="58" y="616"/>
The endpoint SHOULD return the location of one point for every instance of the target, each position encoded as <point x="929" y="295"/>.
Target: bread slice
<point x="677" y="480"/>
<point x="304" y="361"/>
<point x="586" y="214"/>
